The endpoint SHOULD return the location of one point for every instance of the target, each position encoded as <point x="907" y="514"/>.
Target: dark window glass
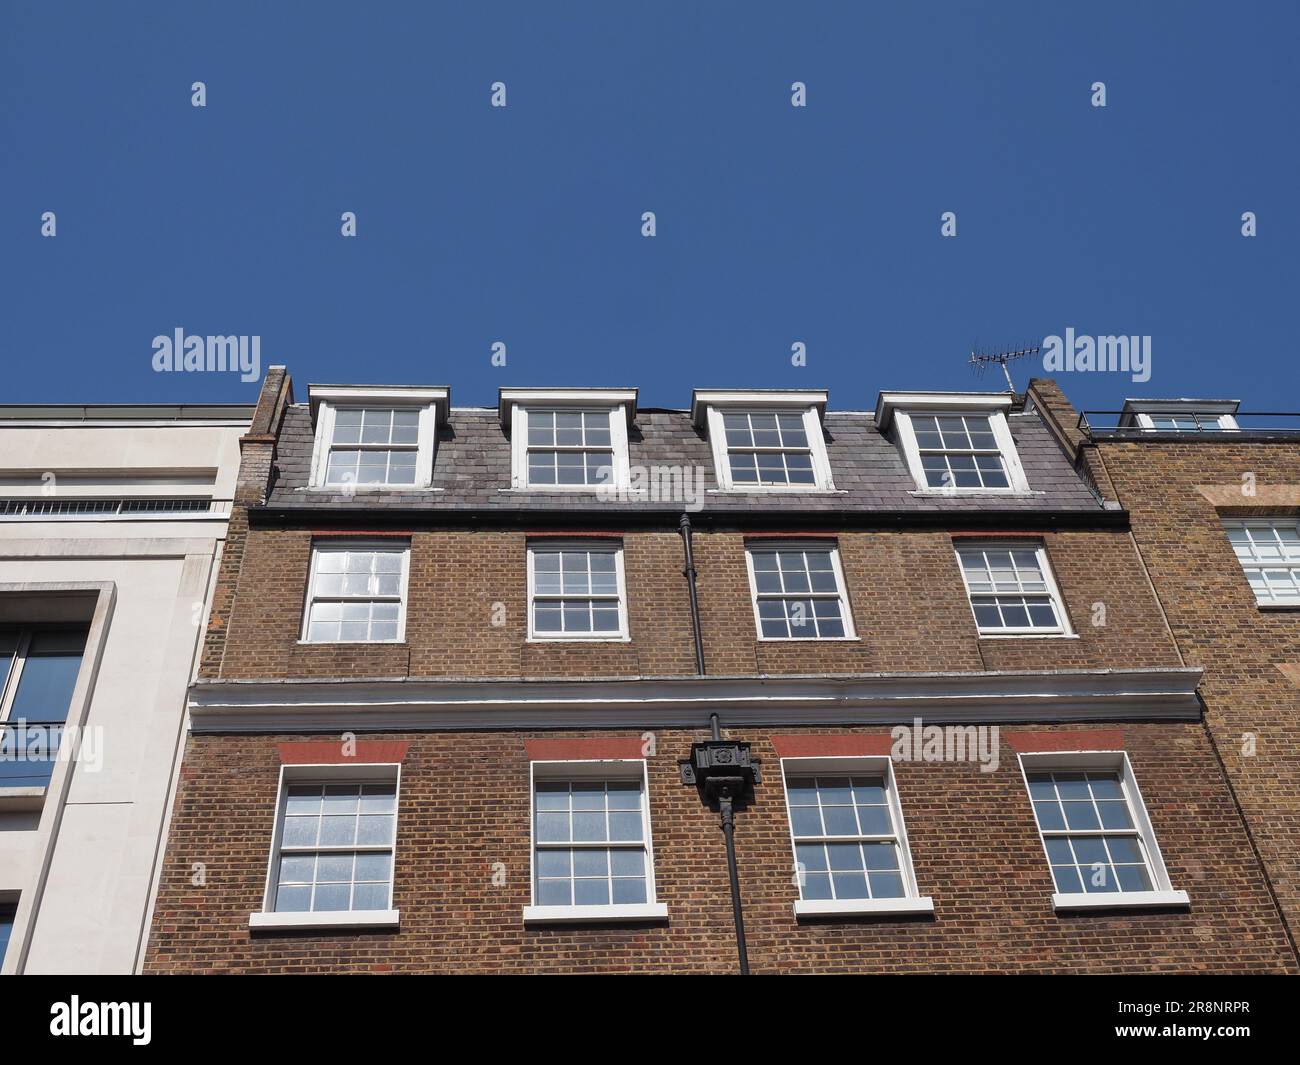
<point x="49" y="674"/>
<point x="6" y="928"/>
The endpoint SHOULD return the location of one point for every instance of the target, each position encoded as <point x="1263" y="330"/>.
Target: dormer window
<point x="373" y="438"/>
<point x="765" y="441"/>
<point x="954" y="442"/>
<point x="1179" y="416"/>
<point x="569" y="447"/>
<point x="566" y="440"/>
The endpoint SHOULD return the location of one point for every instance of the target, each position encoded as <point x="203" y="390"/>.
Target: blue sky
<point x="775" y="224"/>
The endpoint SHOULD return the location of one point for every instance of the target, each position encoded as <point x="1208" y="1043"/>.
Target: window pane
<point x="601" y="810"/>
<point x="1074" y="806"/>
<point x="591" y="892"/>
<point x="627" y="863"/>
<point x="629" y="891"/>
<point x="886" y="885"/>
<point x="552" y="827"/>
<point x="806" y="821"/>
<point x="333" y="815"/>
<point x="293" y="899"/>
<point x="48" y="677"/>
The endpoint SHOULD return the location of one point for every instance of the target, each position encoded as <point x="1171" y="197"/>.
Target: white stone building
<point x="112" y="522"/>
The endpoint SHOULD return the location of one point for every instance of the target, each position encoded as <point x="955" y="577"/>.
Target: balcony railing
<point x="1254" y="425"/>
<point x="38" y="508"/>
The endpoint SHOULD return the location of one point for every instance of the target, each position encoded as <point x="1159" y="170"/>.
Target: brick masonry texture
<point x="465" y="807"/>
<point x="905" y="589"/>
<point x="464" y="795"/>
<point x="1171" y="490"/>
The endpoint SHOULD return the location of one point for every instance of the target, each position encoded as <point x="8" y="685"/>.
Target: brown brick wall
<point x="1178" y="494"/>
<point x="908" y="601"/>
<point x="465" y="806"/>
<point x="256" y="464"/>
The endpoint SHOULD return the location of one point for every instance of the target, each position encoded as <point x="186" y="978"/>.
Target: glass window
<point x="1269" y="553"/>
<point x="373" y="446"/>
<point x="49" y="675"/>
<point x="959" y="451"/>
<point x="845" y="841"/>
<point x="569" y="447"/>
<point x="768" y="448"/>
<point x="1010" y="589"/>
<point x="590" y="843"/>
<point x="356" y="594"/>
<point x="7" y="912"/>
<point x="576" y="592"/>
<point x="336" y="847"/>
<point x="799" y="593"/>
<point x="1088" y="829"/>
<point x="1188" y="422"/>
<point x="38" y="675"/>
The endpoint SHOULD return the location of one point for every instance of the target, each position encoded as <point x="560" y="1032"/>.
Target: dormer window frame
<point x="326" y="401"/>
<point x="1140" y="414"/>
<point x="710" y="406"/>
<point x="900" y="408"/>
<point x="516" y="405"/>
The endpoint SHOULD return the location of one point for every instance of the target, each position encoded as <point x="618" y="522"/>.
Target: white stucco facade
<point x="80" y="859"/>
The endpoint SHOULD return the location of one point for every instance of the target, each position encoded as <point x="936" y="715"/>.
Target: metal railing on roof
<point x="1205" y="424"/>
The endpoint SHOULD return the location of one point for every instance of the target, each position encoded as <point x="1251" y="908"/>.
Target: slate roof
<point x="472" y="471"/>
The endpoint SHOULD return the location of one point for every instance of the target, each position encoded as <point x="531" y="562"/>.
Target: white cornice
<point x="596" y="397"/>
<point x="878" y="698"/>
<point x="888" y="402"/>
<point x="798" y="398"/>
<point x="422" y="395"/>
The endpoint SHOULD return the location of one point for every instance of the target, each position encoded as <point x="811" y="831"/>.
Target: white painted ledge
<point x="21" y="799"/>
<point x="645" y="911"/>
<point x="324" y="921"/>
<point x="1115" y="900"/>
<point x="862" y="907"/>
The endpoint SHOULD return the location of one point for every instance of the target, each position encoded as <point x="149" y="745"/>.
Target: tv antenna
<point x="982" y="360"/>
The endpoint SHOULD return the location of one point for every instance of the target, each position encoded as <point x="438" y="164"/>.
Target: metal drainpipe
<point x="729" y="831"/>
<point x="724" y="797"/>
<point x="688" y="571"/>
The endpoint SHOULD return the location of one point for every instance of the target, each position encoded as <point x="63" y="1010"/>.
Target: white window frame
<point x="366" y="773"/>
<point x="1226" y="422"/>
<point x="913" y="902"/>
<point x="1140" y="413"/>
<point x="612" y="546"/>
<point x="592" y="769"/>
<point x="328" y="400"/>
<point x="1163" y="893"/>
<point x="320" y="547"/>
<point x="850" y="632"/>
<point x="903" y="406"/>
<point x="716" y="404"/>
<point x="1063" y="629"/>
<point x="619" y="404"/>
<point x="1248" y="567"/>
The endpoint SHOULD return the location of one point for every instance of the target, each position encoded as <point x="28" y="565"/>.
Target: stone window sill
<point x="1119" y="900"/>
<point x="21" y="799"/>
<point x="313" y="922"/>
<point x="647" y="911"/>
<point x="863" y="907"/>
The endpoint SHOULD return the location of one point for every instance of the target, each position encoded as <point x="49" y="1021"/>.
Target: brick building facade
<point x="1213" y="498"/>
<point x="448" y="681"/>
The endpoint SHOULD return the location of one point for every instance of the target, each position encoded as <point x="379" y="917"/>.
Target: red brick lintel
<point x="1071" y="740"/>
